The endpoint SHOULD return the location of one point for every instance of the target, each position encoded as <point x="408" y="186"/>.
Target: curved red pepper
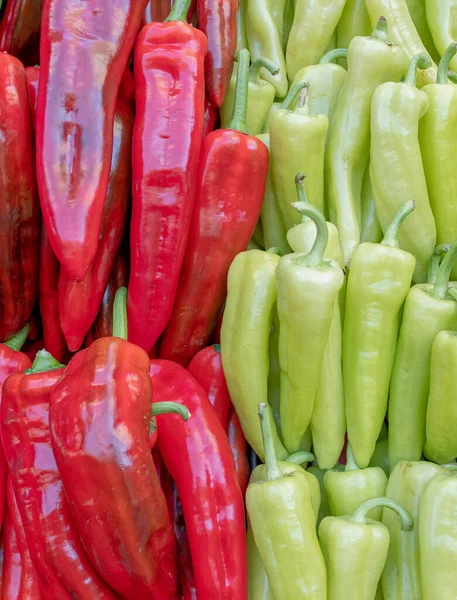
<point x="166" y="144"/>
<point x="84" y="51"/>
<point x="230" y="185"/>
<point x="20" y="30"/>
<point x="12" y="564"/>
<point x="62" y="564"/>
<point x="239" y="448"/>
<point x="210" y="118"/>
<point x="19" y="207"/>
<point x="217" y="19"/>
<point x="198" y="457"/>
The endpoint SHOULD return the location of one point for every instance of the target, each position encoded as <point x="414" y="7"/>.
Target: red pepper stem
<point x="293" y="93"/>
<point x="360" y="515"/>
<point x="381" y="31"/>
<point x="240" y="107"/>
<point x="351" y="464"/>
<point x="435" y="261"/>
<point x="443" y="67"/>
<point x="440" y="288"/>
<point x="258" y="65"/>
<point x="120" y="328"/>
<point x="298" y="458"/>
<point x="420" y="61"/>
<point x="391" y="237"/>
<point x="315" y="258"/>
<point x="179" y="11"/>
<point x="333" y="55"/>
<point x="44" y="362"/>
<point x="18" y="340"/>
<point x="271" y="462"/>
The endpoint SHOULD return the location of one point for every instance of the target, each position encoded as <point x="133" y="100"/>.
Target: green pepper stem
<point x="360" y="515"/>
<point x="315" y="258"/>
<point x="165" y="408"/>
<point x="443" y="67"/>
<point x="351" y="464"/>
<point x="302" y="98"/>
<point x="217" y="348"/>
<point x="298" y="458"/>
<point x="302" y="197"/>
<point x="434" y="263"/>
<point x="439" y="290"/>
<point x="276" y="250"/>
<point x="120" y="314"/>
<point x="381" y="31"/>
<point x="452" y="293"/>
<point x="450" y="466"/>
<point x="258" y="65"/>
<point x="452" y="76"/>
<point x="18" y="340"/>
<point x="178" y="11"/>
<point x="391" y="237"/>
<point x="240" y="107"/>
<point x="44" y="362"/>
<point x="333" y="55"/>
<point x="293" y="93"/>
<point x="420" y="61"/>
<point x="271" y="462"/>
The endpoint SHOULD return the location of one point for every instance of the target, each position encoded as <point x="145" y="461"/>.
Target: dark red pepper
<point x="167" y="136"/>
<point x="33" y="79"/>
<point x="230" y="185"/>
<point x="198" y="457"/>
<point x="239" y="447"/>
<point x="217" y="19"/>
<point x="19" y="208"/>
<point x="84" y="51"/>
<point x="210" y="118"/>
<point x="63" y="567"/>
<point x="20" y="30"/>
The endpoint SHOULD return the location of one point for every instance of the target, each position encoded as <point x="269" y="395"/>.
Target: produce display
<point x="228" y="300"/>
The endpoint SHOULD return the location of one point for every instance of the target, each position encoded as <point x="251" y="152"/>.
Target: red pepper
<point x="210" y="118"/>
<point x="62" y="564"/>
<point x="167" y="136"/>
<point x="99" y="416"/>
<point x="84" y="51"/>
<point x="20" y="30"/>
<point x="217" y="19"/>
<point x="19" y="208"/>
<point x="12" y="565"/>
<point x="33" y="79"/>
<point x="79" y="301"/>
<point x="198" y="457"/>
<point x="239" y="448"/>
<point x="158" y="10"/>
<point x="230" y="185"/>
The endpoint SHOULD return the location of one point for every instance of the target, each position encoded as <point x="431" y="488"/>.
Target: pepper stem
<point x="333" y="55"/>
<point x="360" y="515"/>
<point x="293" y="93"/>
<point x="351" y="464"/>
<point x="444" y="272"/>
<point x="240" y="107"/>
<point x="434" y="263"/>
<point x="120" y="328"/>
<point x="315" y="258"/>
<point x="420" y="61"/>
<point x="381" y="31"/>
<point x="217" y="348"/>
<point x="44" y="362"/>
<point x="258" y="65"/>
<point x="275" y="250"/>
<point x="179" y="11"/>
<point x="165" y="408"/>
<point x="391" y="237"/>
<point x="443" y="67"/>
<point x="452" y="76"/>
<point x="298" y="458"/>
<point x="18" y="340"/>
<point x="271" y="462"/>
<point x="452" y="293"/>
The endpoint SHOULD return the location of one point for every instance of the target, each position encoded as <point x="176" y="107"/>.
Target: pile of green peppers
<point x="339" y="335"/>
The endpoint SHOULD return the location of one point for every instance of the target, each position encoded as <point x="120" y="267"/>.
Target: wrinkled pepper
<point x="441" y="20"/>
<point x="354" y="22"/>
<point x="20" y="30"/>
<point x="418" y="11"/>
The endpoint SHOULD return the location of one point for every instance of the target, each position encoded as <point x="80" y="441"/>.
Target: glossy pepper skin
<point x="12" y="565"/>
<point x="62" y="565"/>
<point x="395" y="154"/>
<point x="401" y="577"/>
<point x="239" y="447"/>
<point x="230" y="185"/>
<point x="75" y="119"/>
<point x="103" y="401"/>
<point x="198" y="457"/>
<point x="20" y="30"/>
<point x="371" y="61"/>
<point x="442" y="24"/>
<point x="379" y="280"/>
<point x="354" y="22"/>
<point x="19" y="209"/>
<point x="209" y="118"/>
<point x="355" y="549"/>
<point x="418" y="11"/>
<point x="167" y="135"/>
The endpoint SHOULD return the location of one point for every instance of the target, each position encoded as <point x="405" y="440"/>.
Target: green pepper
<point x="307" y="292"/>
<point x="402" y="31"/>
<point x="274" y="372"/>
<point x="417" y="10"/>
<point x="378" y="282"/>
<point x="260" y="96"/>
<point x="370" y="228"/>
<point x="283" y="523"/>
<point x="442" y="21"/>
<point x="347" y="489"/>
<point x="312" y="29"/>
<point x="274" y="108"/>
<point x="265" y="40"/>
<point x="428" y="310"/>
<point x="241" y="37"/>
<point x="289" y="14"/>
<point x="324" y="508"/>
<point x="380" y="456"/>
<point x="354" y="22"/>
<point x="372" y="61"/>
<point x="297" y="146"/>
<point x="401" y="576"/>
<point x="396" y="169"/>
<point x="355" y="549"/>
<point x="251" y="297"/>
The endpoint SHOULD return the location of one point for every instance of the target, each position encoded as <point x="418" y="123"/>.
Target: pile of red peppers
<point x="123" y="465"/>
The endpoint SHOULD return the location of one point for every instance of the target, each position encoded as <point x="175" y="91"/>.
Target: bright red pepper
<point x="210" y="118"/>
<point x="84" y="51"/>
<point x="239" y="448"/>
<point x="19" y="208"/>
<point x="167" y="136"/>
<point x="20" y="30"/>
<point x="62" y="564"/>
<point x="230" y="185"/>
<point x="198" y="457"/>
<point x="217" y="19"/>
